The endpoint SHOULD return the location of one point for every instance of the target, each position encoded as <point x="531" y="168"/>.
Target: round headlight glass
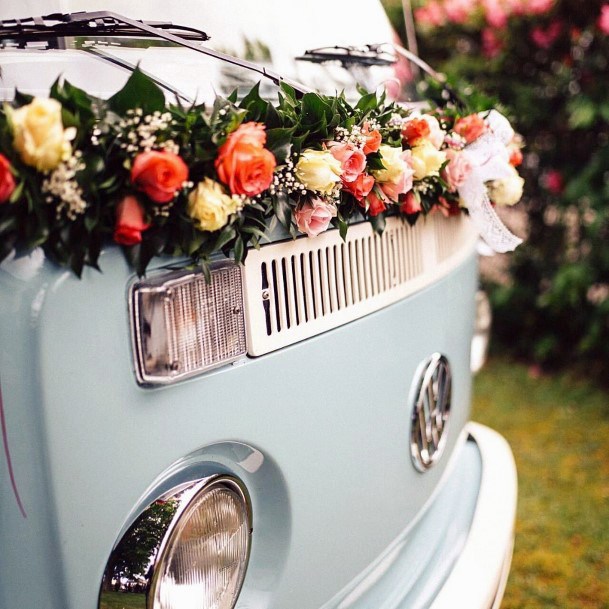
<point x="203" y="558"/>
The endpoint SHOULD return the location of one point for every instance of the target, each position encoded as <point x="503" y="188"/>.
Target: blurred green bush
<point x="547" y="61"/>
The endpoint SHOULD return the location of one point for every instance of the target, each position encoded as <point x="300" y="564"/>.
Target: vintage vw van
<point x="292" y="434"/>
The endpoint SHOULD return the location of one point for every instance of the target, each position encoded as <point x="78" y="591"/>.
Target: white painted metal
<point x="478" y="578"/>
<point x="316" y="284"/>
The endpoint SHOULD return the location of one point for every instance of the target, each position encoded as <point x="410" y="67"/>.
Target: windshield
<point x="102" y="65"/>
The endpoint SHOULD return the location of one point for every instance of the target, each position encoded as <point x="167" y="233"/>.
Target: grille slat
<point x="312" y="285"/>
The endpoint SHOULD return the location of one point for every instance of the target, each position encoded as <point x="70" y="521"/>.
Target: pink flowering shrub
<point x="548" y="62"/>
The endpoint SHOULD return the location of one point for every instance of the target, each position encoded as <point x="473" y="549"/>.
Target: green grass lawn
<point x="117" y="600"/>
<point x="558" y="428"/>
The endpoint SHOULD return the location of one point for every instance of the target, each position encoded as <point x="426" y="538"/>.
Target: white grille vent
<point x="297" y="289"/>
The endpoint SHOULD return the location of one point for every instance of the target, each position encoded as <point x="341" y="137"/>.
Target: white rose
<point x="209" y="206"/>
<point x="427" y="160"/>
<point x="318" y="170"/>
<point x="38" y="134"/>
<point x="395" y="165"/>
<point x="507" y="191"/>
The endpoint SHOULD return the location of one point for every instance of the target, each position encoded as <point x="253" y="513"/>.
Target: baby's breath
<point x="62" y="188"/>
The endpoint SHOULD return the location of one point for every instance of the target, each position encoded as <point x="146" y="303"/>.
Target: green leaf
<point x="367" y="103"/>
<point x="226" y="235"/>
<point x="239" y="249"/>
<point x="139" y="92"/>
<point x="279" y="142"/>
<point x="254" y="104"/>
<point x="378" y="223"/>
<point x="313" y="109"/>
<point x="282" y="210"/>
<point x="16" y="194"/>
<point x="343" y="227"/>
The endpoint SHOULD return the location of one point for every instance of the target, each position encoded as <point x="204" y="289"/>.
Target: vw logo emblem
<point x="431" y="407"/>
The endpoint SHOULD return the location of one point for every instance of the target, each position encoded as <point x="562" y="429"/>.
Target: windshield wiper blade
<point x="110" y="23"/>
<point x="367" y="55"/>
<point x="81" y="24"/>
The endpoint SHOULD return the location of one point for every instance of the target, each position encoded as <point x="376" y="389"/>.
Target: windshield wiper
<point x="375" y="55"/>
<point x="109" y="23"/>
<point x="367" y="55"/>
<point x="86" y="24"/>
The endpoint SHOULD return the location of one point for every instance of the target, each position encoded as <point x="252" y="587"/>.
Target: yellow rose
<point x="395" y="165"/>
<point x="318" y="170"/>
<point x="38" y="134"/>
<point x="209" y="206"/>
<point x="427" y="160"/>
<point x="507" y="191"/>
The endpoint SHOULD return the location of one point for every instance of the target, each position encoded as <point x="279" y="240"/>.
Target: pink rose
<point x="410" y="204"/>
<point x="129" y="222"/>
<point x="457" y="169"/>
<point x="603" y="19"/>
<point x="360" y="187"/>
<point x="159" y="174"/>
<point x="352" y="160"/>
<point x="7" y="181"/>
<point x="314" y="216"/>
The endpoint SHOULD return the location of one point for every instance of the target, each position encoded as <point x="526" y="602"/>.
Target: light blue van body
<point x="319" y="433"/>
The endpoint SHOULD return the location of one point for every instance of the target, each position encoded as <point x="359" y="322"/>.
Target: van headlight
<point x="187" y="550"/>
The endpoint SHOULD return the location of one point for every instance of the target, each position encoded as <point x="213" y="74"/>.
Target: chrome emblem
<point x="431" y="407"/>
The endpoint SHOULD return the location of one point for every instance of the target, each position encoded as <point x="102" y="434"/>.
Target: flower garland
<point x="157" y="179"/>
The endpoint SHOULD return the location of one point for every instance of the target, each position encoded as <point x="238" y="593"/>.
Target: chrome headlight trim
<point x="432" y="387"/>
<point x="185" y="499"/>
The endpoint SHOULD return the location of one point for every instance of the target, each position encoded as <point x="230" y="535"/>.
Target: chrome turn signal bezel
<point x="184" y="323"/>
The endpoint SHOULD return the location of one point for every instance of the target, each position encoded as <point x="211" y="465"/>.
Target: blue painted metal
<point x="318" y="432"/>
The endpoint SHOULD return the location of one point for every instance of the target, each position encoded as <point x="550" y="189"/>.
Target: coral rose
<point x="7" y="181"/>
<point x="314" y="216"/>
<point x="470" y="127"/>
<point x="415" y="131"/>
<point x="159" y="174"/>
<point x="360" y="187"/>
<point x="130" y="222"/>
<point x="38" y="134"/>
<point x="373" y="139"/>
<point x="243" y="163"/>
<point x="515" y="156"/>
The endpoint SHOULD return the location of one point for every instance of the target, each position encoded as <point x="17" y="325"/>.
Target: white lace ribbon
<point x="489" y="157"/>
